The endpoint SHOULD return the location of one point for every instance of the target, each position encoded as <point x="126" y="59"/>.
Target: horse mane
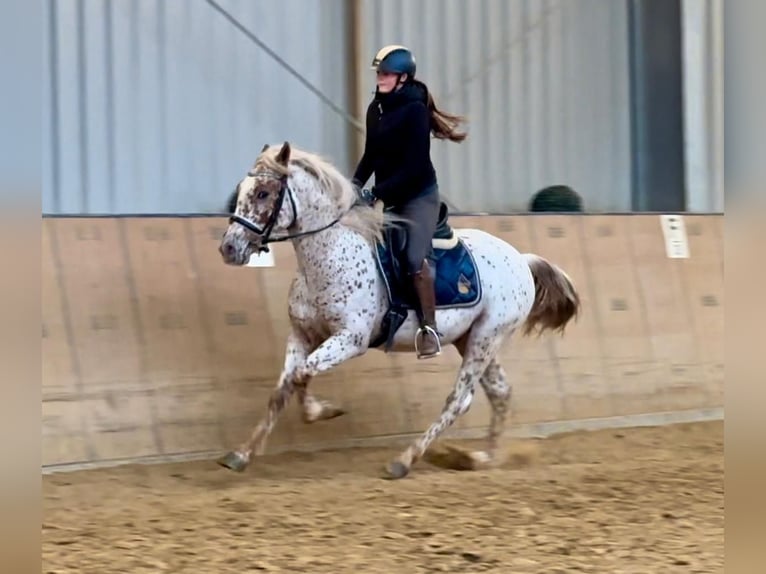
<point x="365" y="220"/>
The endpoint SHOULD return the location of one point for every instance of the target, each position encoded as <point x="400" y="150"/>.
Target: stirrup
<point x="430" y="330"/>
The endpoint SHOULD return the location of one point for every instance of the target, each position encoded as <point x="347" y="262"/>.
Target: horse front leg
<point x="299" y="368"/>
<point x="337" y="349"/>
<point x="296" y="353"/>
<point x="313" y="408"/>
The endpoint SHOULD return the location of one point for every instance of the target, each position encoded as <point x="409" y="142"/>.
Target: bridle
<point x="265" y="232"/>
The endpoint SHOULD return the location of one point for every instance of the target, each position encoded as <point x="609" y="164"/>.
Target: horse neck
<point x="317" y="255"/>
<point x="313" y="249"/>
<point x="314" y="211"/>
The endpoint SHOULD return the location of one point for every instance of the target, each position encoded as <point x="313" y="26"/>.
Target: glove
<point x="368" y="197"/>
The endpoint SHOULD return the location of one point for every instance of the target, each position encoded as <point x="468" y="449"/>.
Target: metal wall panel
<point x="153" y="106"/>
<point x="157" y="106"/>
<point x="545" y="85"/>
<point x="703" y="103"/>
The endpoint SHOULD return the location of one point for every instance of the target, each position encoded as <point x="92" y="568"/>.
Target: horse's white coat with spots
<point x="337" y="300"/>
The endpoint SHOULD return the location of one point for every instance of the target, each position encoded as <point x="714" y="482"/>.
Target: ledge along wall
<point x="153" y="349"/>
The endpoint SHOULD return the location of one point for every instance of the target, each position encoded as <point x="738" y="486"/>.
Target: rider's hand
<point x="367" y="197"/>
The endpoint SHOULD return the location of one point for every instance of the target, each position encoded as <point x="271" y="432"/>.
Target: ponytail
<point x="443" y="125"/>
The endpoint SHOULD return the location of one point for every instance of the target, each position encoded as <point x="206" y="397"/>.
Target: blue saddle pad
<point x="456" y="277"/>
<point x="456" y="280"/>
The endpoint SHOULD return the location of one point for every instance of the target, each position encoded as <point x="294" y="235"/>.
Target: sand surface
<point x="620" y="501"/>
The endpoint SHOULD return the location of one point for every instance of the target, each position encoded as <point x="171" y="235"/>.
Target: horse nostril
<point x="226" y="249"/>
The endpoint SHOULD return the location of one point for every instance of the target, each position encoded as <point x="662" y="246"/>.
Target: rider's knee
<point x="414" y="264"/>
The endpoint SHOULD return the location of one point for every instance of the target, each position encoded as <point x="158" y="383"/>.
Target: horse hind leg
<point x="478" y="350"/>
<point x="498" y="391"/>
<point x="495" y="385"/>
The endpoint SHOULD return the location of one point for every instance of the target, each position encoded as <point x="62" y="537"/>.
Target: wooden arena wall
<point x="153" y="348"/>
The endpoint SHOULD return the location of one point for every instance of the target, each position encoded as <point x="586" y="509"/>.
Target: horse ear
<point x="284" y="154"/>
<point x="264" y="148"/>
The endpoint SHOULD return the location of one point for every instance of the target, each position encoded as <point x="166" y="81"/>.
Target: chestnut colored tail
<point x="556" y="299"/>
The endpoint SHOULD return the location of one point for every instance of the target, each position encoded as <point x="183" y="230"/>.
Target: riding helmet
<point x="395" y="59"/>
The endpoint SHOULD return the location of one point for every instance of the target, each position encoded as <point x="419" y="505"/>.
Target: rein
<point x="265" y="232"/>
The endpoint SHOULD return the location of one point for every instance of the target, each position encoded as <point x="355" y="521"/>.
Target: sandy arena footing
<point x="647" y="500"/>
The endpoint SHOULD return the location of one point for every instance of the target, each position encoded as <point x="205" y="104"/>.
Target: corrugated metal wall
<point x="159" y="106"/>
<point x="545" y="85"/>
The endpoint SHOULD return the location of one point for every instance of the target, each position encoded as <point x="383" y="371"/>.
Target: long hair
<point x="443" y="124"/>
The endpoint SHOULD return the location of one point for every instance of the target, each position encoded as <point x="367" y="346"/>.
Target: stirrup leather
<point x="430" y="330"/>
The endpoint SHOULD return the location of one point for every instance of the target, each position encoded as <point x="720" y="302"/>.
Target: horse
<point x="345" y="298"/>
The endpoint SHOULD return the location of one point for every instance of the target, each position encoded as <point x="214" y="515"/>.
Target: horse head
<point x="294" y="193"/>
<point x="259" y="207"/>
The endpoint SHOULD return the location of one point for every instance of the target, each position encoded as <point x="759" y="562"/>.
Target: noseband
<point x="265" y="232"/>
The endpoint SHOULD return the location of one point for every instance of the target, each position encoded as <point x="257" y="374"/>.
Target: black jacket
<point x="398" y="146"/>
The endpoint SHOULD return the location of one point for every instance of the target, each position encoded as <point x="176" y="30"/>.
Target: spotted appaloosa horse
<point x="338" y="300"/>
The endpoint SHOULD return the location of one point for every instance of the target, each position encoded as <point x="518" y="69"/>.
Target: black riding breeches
<point x="422" y="213"/>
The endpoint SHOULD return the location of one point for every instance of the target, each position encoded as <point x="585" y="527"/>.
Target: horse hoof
<point x="397" y="470"/>
<point x="233" y="461"/>
<point x="455" y="458"/>
<point x="332" y="412"/>
<point x="481" y="460"/>
<point x="327" y="412"/>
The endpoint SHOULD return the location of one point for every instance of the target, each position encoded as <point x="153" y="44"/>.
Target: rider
<point x="400" y="119"/>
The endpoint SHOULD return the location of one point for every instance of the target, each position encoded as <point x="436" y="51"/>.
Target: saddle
<point x="456" y="279"/>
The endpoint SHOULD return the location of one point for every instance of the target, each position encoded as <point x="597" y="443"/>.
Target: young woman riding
<point x="400" y="120"/>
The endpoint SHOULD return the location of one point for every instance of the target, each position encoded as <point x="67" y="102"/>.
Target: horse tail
<point x="556" y="299"/>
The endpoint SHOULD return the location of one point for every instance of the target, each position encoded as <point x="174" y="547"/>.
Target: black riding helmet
<point x="395" y="59"/>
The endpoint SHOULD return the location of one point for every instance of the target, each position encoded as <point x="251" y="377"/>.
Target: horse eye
<point x="262" y="194"/>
